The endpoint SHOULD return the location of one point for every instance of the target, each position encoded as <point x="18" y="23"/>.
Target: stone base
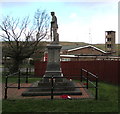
<point x="53" y="64"/>
<point x="44" y="88"/>
<point x="54" y="74"/>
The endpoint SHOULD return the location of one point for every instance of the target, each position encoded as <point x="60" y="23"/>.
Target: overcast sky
<point x="78" y="21"/>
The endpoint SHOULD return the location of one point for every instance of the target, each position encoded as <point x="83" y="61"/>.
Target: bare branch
<point x="22" y="38"/>
<point x="42" y="23"/>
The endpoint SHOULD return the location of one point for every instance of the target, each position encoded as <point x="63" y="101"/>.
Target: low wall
<point x="105" y="70"/>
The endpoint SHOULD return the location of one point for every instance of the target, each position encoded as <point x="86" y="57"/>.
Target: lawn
<point x="107" y="102"/>
<point x="22" y="80"/>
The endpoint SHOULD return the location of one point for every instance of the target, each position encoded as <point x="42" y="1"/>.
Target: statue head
<point x="52" y="13"/>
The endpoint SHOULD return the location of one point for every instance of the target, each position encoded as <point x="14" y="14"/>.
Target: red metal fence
<point x="106" y="70"/>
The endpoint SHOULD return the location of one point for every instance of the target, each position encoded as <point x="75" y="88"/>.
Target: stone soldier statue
<point x="54" y="27"/>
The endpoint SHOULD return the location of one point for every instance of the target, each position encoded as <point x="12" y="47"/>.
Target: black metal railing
<point x="6" y="82"/>
<point x="52" y="80"/>
<point x="15" y="75"/>
<point x="87" y="75"/>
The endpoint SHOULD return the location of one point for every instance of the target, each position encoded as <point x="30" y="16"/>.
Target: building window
<point x="108" y="39"/>
<point x="108" y="45"/>
<point x="109" y="32"/>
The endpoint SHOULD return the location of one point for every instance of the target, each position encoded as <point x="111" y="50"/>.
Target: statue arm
<point x="53" y="19"/>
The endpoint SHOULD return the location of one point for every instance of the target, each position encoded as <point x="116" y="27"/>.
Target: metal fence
<point x="84" y="75"/>
<point x="87" y="78"/>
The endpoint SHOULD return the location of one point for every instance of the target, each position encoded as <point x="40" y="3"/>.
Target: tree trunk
<point x="15" y="65"/>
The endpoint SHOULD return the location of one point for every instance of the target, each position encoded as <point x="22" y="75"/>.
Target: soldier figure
<point x="54" y="27"/>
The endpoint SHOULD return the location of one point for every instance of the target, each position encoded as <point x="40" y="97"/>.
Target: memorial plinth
<point x="53" y="63"/>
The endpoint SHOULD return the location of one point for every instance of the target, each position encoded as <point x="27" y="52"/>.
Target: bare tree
<point x="21" y="39"/>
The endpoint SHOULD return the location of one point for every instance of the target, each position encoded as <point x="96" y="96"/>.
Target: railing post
<point x="30" y="70"/>
<point x="96" y="95"/>
<point x="19" y="80"/>
<point x="52" y="87"/>
<point x="87" y="79"/>
<point x="6" y="81"/>
<point x="81" y="75"/>
<point x="27" y="75"/>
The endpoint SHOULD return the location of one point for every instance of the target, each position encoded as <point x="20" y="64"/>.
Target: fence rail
<point x="87" y="81"/>
<point x="52" y="82"/>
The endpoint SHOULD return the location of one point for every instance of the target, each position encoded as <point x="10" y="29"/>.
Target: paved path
<point x="14" y="93"/>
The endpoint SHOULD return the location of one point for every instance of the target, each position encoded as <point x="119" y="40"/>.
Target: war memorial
<point x="53" y="79"/>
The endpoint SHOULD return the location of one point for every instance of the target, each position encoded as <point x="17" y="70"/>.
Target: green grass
<point x="22" y="80"/>
<point x="107" y="102"/>
<point x="35" y="105"/>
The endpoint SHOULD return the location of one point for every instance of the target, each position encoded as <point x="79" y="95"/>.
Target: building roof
<point x="73" y="56"/>
<point x="110" y="31"/>
<point x="88" y="46"/>
<point x="70" y="56"/>
<point x="68" y="47"/>
<point x="91" y="56"/>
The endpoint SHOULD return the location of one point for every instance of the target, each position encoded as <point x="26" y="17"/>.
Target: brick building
<point x="110" y="41"/>
<point x="88" y="52"/>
